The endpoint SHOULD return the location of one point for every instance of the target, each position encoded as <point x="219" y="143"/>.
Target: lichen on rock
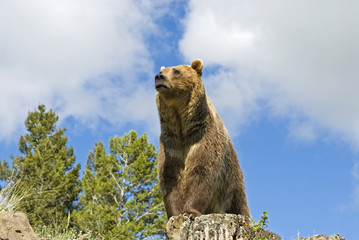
<point x="211" y="226"/>
<point x="323" y="237"/>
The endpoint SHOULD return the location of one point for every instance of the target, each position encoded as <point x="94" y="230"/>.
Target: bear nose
<point x="160" y="76"/>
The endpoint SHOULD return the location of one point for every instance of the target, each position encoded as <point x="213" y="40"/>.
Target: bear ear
<point x="197" y="65"/>
<point x="162" y="68"/>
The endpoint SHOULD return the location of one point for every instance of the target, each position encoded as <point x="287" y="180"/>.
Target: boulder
<point x="214" y="227"/>
<point x="323" y="237"/>
<point x="15" y="226"/>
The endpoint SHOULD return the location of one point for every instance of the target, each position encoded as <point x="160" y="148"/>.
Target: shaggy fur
<point x="198" y="168"/>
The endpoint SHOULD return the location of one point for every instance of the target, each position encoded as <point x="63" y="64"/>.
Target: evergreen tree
<point x="5" y="173"/>
<point x="121" y="197"/>
<point x="46" y="168"/>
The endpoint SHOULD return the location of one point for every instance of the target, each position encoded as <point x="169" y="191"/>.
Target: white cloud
<point x="296" y="60"/>
<point x="302" y="130"/>
<point x="77" y="57"/>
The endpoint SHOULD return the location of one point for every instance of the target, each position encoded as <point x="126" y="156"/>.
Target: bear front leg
<point x="200" y="179"/>
<point x="172" y="197"/>
<point x="198" y="191"/>
<point x="173" y="203"/>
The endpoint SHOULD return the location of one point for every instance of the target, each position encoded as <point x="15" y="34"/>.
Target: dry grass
<point x="11" y="196"/>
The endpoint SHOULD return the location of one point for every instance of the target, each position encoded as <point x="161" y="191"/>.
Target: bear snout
<point x="160" y="76"/>
<point x="160" y="82"/>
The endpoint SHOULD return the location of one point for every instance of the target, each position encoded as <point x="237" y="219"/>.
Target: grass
<point x="11" y="196"/>
<point x="45" y="232"/>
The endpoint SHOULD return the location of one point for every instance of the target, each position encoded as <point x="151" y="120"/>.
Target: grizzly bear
<point x="198" y="168"/>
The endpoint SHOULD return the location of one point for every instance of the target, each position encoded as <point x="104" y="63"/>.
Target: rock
<point x="270" y="235"/>
<point x="214" y="227"/>
<point x="99" y="237"/>
<point x="86" y="237"/>
<point x="83" y="237"/>
<point x="323" y="237"/>
<point x="15" y="226"/>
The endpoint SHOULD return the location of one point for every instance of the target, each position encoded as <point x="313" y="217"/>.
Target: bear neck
<point x="185" y="119"/>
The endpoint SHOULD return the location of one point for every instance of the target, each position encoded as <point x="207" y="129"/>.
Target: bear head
<point x="179" y="81"/>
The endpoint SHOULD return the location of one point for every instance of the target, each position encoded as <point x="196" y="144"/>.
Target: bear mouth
<point x="160" y="87"/>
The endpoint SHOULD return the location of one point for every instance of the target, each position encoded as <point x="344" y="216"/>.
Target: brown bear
<point x="198" y="168"/>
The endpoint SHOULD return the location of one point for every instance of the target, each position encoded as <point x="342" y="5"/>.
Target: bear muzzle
<point x="160" y="82"/>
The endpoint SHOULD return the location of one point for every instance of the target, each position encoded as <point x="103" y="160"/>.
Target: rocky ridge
<point x="16" y="226"/>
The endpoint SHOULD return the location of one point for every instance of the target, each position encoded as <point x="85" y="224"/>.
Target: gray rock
<point x="323" y="237"/>
<point x="214" y="227"/>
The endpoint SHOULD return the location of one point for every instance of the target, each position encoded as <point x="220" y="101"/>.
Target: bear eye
<point x="175" y="71"/>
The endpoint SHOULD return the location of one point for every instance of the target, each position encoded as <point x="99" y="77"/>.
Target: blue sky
<point x="283" y="75"/>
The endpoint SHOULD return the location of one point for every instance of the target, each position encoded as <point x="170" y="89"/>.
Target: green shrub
<point x="257" y="228"/>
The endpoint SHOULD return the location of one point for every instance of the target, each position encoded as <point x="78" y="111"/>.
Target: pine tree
<point x="5" y="173"/>
<point x="121" y="197"/>
<point x="46" y="168"/>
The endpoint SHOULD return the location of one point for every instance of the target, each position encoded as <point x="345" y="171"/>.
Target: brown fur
<point x="198" y="168"/>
